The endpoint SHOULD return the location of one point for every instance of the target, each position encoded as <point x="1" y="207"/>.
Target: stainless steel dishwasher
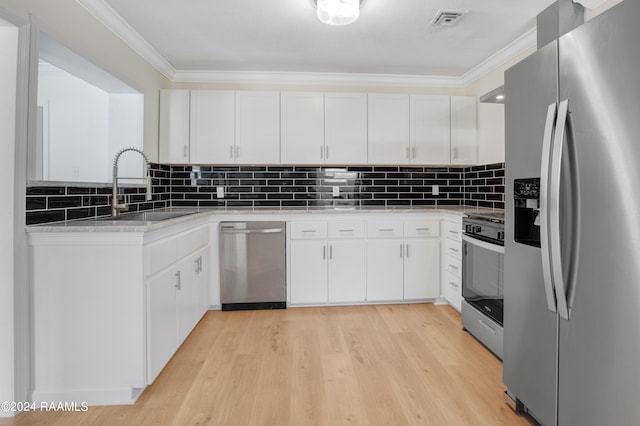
<point x="252" y="265"/>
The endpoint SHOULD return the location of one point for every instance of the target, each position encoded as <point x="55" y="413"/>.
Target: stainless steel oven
<point x="483" y="278"/>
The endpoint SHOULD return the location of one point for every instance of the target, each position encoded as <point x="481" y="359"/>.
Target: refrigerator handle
<point x="544" y="211"/>
<point x="554" y="209"/>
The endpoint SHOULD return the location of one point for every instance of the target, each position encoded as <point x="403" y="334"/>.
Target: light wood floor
<point x="360" y="365"/>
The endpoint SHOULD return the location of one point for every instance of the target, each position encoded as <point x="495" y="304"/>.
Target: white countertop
<point x="104" y="224"/>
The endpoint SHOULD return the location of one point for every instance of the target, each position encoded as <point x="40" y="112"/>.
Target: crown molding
<point x="520" y="45"/>
<point x="591" y="4"/>
<point x="314" y="78"/>
<point x="116" y="24"/>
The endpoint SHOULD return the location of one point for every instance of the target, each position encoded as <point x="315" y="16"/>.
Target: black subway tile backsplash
<point x="280" y="186"/>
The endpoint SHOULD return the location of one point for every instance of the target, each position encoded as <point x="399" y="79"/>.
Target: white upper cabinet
<point x="212" y="127"/>
<point x="302" y="118"/>
<point x="174" y="126"/>
<point x="388" y="129"/>
<point x="430" y="129"/>
<point x="345" y="128"/>
<point x="257" y="128"/>
<point x="219" y="127"/>
<point x="464" y="147"/>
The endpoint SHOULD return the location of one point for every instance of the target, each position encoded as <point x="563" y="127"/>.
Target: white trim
<point x="313" y="78"/>
<point x="591" y="4"/>
<point x="114" y="22"/>
<point x="520" y="45"/>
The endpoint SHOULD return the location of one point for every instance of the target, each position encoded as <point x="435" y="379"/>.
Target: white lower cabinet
<point x="327" y="262"/>
<point x="346" y="280"/>
<point x="452" y="262"/>
<point x="421" y="268"/>
<point x="308" y="271"/>
<point x="385" y="270"/>
<point x="175" y="295"/>
<point x="403" y="260"/>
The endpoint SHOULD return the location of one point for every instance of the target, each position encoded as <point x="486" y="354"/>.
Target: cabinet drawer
<point x="452" y="248"/>
<point x="384" y="229"/>
<point x="421" y="228"/>
<point x="452" y="289"/>
<point x="346" y="229"/>
<point x="484" y="329"/>
<point x="452" y="230"/>
<point x="160" y="255"/>
<point x="192" y="241"/>
<point x="453" y="265"/>
<point x="308" y="230"/>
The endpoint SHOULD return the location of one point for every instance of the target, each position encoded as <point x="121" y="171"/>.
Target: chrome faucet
<point x="116" y="207"/>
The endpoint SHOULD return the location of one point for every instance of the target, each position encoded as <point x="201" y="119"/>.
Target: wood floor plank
<point x="408" y="364"/>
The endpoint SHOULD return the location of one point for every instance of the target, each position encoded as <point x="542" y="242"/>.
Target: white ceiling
<point x="391" y="36"/>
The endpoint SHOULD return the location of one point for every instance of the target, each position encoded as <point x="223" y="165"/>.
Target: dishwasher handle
<point x="251" y="231"/>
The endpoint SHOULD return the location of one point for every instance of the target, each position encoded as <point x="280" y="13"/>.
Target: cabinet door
<point x="203" y="282"/>
<point x="186" y="298"/>
<point x="308" y="271"/>
<point x="347" y="271"/>
<point x="422" y="268"/>
<point x="388" y="129"/>
<point x="345" y="126"/>
<point x="174" y="126"/>
<point x="464" y="149"/>
<point x="385" y="269"/>
<point x="258" y="127"/>
<point x="302" y="116"/>
<point x="212" y="127"/>
<point x="161" y="321"/>
<point x="430" y="129"/>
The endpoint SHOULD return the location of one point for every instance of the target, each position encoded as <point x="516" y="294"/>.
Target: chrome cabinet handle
<point x="330" y="251"/>
<point x="453" y="284"/>
<point x="185" y="152"/>
<point x="321" y="152"/>
<point x="453" y="267"/>
<point x="324" y="252"/>
<point x="423" y="229"/>
<point x="401" y="250"/>
<point x="326" y="152"/>
<point x="345" y="230"/>
<point x="231" y="151"/>
<point x="407" y="250"/>
<point x="237" y="151"/>
<point x="178" y="284"/>
<point x="454" y="250"/>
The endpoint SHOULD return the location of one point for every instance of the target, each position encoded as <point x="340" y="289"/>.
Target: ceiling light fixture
<point x="338" y="12"/>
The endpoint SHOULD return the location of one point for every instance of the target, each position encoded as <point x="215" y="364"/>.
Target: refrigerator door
<point x="599" y="346"/>
<point x="530" y="327"/>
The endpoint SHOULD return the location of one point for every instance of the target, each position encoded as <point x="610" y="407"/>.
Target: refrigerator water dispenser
<point x="526" y="194"/>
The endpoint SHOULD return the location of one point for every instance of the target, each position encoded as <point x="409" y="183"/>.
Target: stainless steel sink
<point x="150" y="216"/>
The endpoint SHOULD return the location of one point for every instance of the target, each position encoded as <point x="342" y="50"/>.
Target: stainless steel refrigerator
<point x="572" y="243"/>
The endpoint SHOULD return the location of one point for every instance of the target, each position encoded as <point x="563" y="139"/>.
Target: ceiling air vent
<point x="447" y="18"/>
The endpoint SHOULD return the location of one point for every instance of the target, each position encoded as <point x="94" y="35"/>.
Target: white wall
<point x="72" y="25"/>
<point x="125" y="130"/>
<point x="8" y="67"/>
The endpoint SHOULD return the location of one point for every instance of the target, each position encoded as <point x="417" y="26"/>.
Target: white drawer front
<point x="452" y="230"/>
<point x="421" y="228"/>
<point x="453" y="265"/>
<point x="452" y="289"/>
<point x="192" y="241"/>
<point x="346" y="229"/>
<point x="161" y="255"/>
<point x="308" y="230"/>
<point x="384" y="229"/>
<point x="452" y="248"/>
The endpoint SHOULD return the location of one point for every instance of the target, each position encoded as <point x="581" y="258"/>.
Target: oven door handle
<point x="483" y="244"/>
